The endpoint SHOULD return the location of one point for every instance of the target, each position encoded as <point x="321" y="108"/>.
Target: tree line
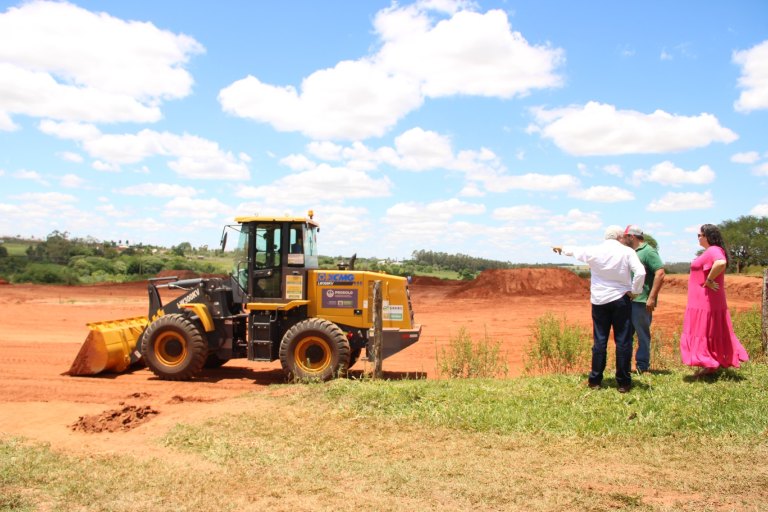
<point x="62" y="259"/>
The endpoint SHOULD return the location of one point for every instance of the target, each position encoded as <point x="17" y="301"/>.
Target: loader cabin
<point x="276" y="252"/>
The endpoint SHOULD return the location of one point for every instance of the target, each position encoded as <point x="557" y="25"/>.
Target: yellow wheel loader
<point x="276" y="304"/>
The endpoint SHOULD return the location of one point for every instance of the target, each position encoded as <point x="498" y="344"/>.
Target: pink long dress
<point x="708" y="339"/>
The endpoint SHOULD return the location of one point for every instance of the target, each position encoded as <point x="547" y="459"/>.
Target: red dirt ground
<point x="42" y="328"/>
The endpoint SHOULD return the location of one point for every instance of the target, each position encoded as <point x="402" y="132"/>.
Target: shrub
<point x="556" y="346"/>
<point x="48" y="273"/>
<point x="748" y="328"/>
<point x="466" y="359"/>
<point x="665" y="351"/>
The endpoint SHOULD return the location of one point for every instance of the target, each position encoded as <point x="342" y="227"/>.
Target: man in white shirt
<point x="617" y="275"/>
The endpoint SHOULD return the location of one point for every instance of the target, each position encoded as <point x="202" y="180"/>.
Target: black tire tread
<point x="196" y="347"/>
<point x="331" y="332"/>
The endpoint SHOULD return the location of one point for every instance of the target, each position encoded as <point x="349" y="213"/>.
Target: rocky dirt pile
<point x="127" y="418"/>
<point x="523" y="282"/>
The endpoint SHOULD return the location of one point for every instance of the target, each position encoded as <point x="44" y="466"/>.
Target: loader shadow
<point x="266" y="377"/>
<point x="366" y="375"/>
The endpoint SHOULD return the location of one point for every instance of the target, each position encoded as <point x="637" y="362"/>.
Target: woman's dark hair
<point x="713" y="236"/>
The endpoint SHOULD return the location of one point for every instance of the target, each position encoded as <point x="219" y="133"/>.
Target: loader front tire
<point x="173" y="348"/>
<point x="314" y="349"/>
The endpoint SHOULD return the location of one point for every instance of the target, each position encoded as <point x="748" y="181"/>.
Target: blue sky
<point x="494" y="128"/>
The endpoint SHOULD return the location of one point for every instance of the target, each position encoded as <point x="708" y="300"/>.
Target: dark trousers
<point x="616" y="314"/>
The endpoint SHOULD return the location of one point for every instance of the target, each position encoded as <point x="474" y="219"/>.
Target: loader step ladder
<point x="260" y="347"/>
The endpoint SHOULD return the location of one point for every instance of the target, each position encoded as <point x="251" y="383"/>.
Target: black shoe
<point x="593" y="385"/>
<point x="624" y="389"/>
<point x="641" y="371"/>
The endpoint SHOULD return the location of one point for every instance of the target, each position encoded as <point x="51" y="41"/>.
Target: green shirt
<point x="650" y="259"/>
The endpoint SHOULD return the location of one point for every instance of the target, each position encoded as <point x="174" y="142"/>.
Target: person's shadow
<point x="727" y="375"/>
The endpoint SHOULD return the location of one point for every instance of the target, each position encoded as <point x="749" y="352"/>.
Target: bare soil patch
<point x="42" y="328"/>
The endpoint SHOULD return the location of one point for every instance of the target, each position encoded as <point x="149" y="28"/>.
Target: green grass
<point x="542" y="443"/>
<point x="668" y="403"/>
<point x="16" y="248"/>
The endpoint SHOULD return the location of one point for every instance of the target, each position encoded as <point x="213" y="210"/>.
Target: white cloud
<point x="69" y="156"/>
<point x="754" y="78"/>
<point x="471" y="190"/>
<point x="748" y="157"/>
<point x="421" y="149"/>
<point x="666" y="173"/>
<point x="187" y="207"/>
<point x="680" y="201"/>
<point x="325" y="150"/>
<point x="613" y="170"/>
<point x="533" y="182"/>
<point x="298" y="162"/>
<point x="760" y="210"/>
<point x="72" y="181"/>
<point x="415" y="150"/>
<point x="522" y="212"/>
<point x="603" y="194"/>
<point x="49" y="199"/>
<point x="494" y="60"/>
<point x="575" y="220"/>
<point x="60" y="61"/>
<point x="158" y="190"/>
<point x="433" y="224"/>
<point x="761" y="170"/>
<point x="35" y="176"/>
<point x="354" y="100"/>
<point x="319" y="185"/>
<point x="417" y="59"/>
<point x="600" y="129"/>
<point x="190" y="156"/>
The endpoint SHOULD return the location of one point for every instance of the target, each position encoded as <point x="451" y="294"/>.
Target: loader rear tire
<point x="314" y="349"/>
<point x="173" y="348"/>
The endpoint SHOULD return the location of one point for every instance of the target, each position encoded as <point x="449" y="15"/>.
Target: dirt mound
<point x="130" y="416"/>
<point x="3" y="281"/>
<point x="523" y="282"/>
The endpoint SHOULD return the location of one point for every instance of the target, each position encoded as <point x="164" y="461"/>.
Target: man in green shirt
<point x="644" y="303"/>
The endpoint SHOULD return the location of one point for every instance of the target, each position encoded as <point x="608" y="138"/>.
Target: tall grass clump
<point x="468" y="359"/>
<point x="748" y="328"/>
<point x="665" y="350"/>
<point x="557" y="346"/>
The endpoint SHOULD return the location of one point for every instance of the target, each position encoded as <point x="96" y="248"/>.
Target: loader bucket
<point x="110" y="346"/>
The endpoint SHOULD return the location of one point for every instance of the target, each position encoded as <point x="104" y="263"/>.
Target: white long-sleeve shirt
<point x="615" y="270"/>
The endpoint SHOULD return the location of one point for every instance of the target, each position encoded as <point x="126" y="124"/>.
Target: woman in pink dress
<point x="708" y="340"/>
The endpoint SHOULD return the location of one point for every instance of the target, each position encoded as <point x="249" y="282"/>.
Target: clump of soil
<point x="127" y="418"/>
<point x="523" y="282"/>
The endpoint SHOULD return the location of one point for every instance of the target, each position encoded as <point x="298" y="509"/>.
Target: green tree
<point x="3" y="251"/>
<point x="746" y="239"/>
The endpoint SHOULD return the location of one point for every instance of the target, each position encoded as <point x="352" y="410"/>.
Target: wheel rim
<point x="312" y="355"/>
<point x="170" y="349"/>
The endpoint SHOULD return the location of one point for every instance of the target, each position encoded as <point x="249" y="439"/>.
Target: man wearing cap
<point x="645" y="302"/>
<point x="616" y="273"/>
